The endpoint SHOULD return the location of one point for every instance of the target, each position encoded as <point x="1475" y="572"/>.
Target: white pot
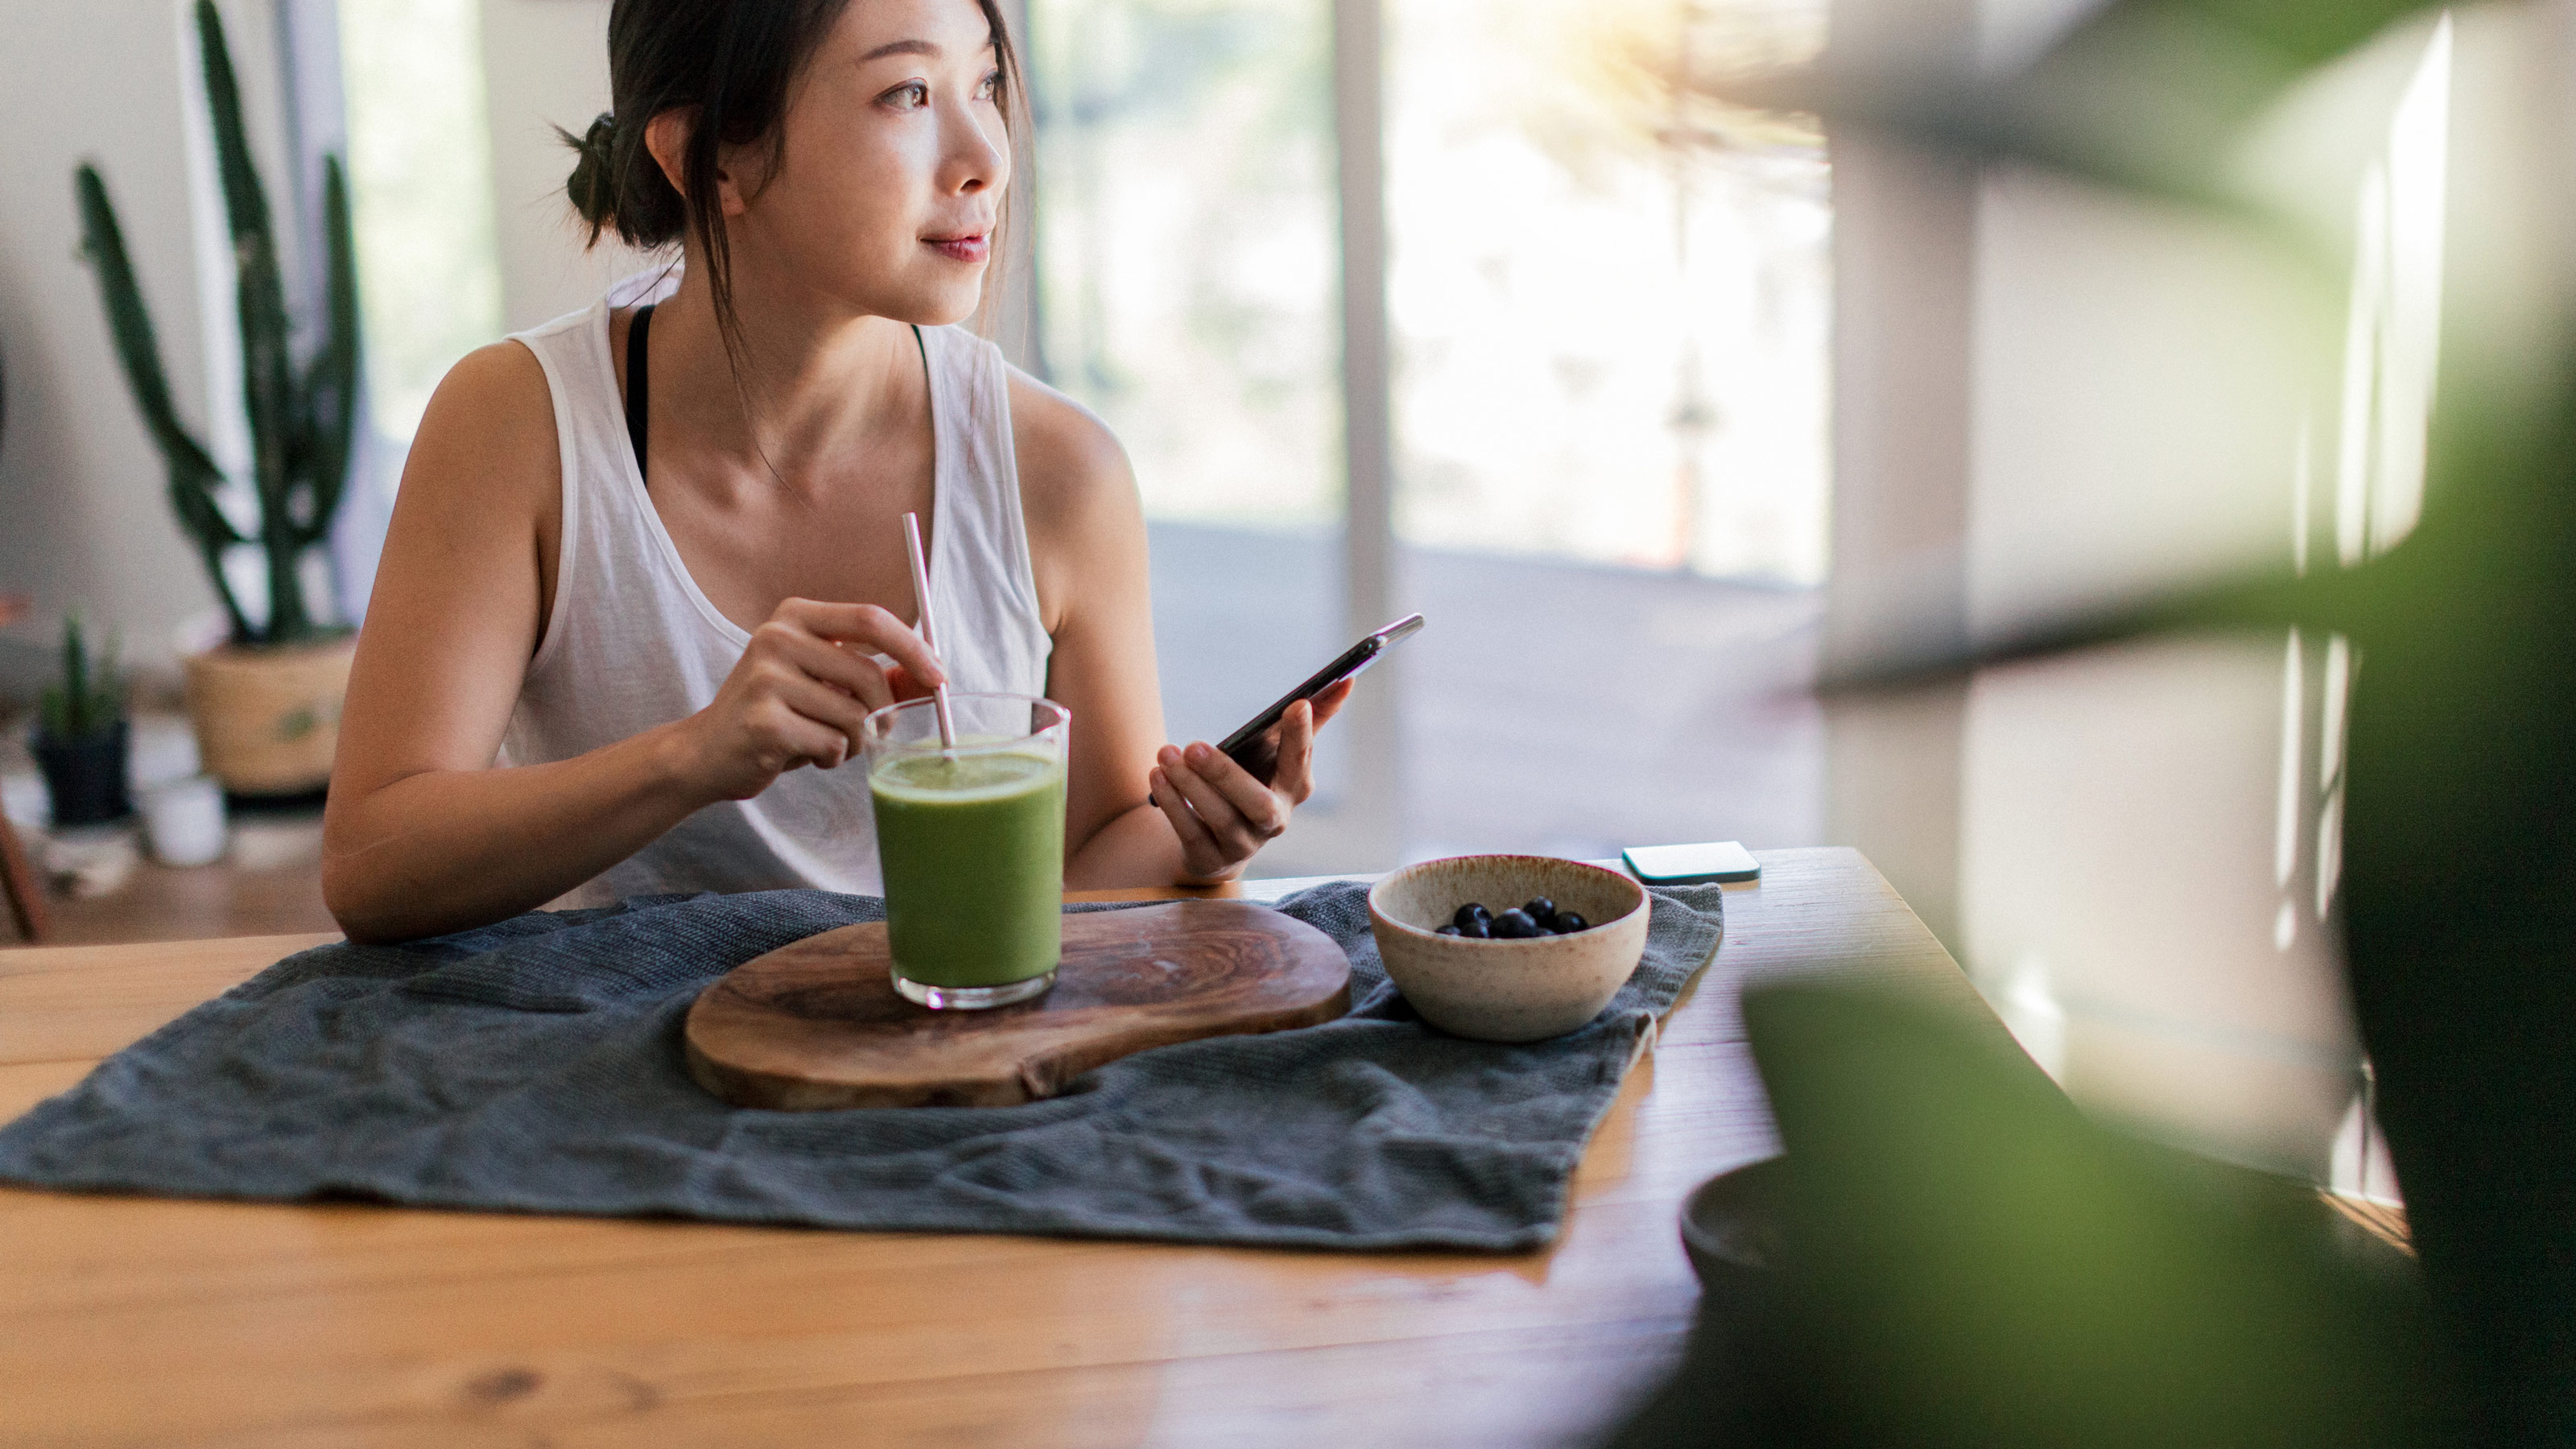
<point x="184" y="821"/>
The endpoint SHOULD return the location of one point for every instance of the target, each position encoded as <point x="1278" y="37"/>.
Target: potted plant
<point x="80" y="740"/>
<point x="266" y="704"/>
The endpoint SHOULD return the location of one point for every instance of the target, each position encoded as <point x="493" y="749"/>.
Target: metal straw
<point x="929" y="633"/>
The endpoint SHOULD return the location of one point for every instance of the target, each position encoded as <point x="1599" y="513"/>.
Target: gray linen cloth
<point x="535" y="1066"/>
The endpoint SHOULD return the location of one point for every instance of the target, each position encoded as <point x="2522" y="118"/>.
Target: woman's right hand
<point x="798" y="694"/>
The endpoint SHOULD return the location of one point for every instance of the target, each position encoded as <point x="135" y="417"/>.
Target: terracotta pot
<point x="268" y="720"/>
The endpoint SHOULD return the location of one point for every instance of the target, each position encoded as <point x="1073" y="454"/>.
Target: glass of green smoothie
<point x="971" y="837"/>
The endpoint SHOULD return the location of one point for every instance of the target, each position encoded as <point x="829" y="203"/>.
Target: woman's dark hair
<point x="735" y="63"/>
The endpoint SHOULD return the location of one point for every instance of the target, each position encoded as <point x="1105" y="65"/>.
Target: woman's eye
<point x="991" y="87"/>
<point x="908" y="96"/>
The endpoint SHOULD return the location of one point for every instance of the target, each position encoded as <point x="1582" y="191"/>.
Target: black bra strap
<point x="637" y="390"/>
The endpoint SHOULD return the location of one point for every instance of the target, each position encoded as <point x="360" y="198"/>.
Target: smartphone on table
<point x="1256" y="746"/>
<point x="1716" y="860"/>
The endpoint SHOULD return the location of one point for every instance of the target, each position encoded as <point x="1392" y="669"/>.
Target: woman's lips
<point x="971" y="247"/>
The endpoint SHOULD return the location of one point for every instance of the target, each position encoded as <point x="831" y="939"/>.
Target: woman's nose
<point x="974" y="158"/>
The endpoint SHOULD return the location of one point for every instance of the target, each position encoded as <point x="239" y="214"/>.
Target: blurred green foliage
<point x="1993" y="1272"/>
<point x="1971" y="1262"/>
<point x="90" y="698"/>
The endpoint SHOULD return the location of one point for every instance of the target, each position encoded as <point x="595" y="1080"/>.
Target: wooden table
<point x="128" y="1320"/>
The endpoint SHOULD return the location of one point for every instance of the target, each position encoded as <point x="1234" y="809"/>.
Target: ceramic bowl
<point x="1507" y="990"/>
<point x="1731" y="1227"/>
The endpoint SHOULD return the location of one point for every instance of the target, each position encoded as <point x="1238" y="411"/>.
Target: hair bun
<point x="593" y="184"/>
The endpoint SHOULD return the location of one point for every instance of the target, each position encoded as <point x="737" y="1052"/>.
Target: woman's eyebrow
<point x="902" y="47"/>
<point x="910" y="47"/>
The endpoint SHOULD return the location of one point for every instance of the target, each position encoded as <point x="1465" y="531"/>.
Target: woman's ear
<point x="666" y="138"/>
<point x="740" y="172"/>
<point x="729" y="187"/>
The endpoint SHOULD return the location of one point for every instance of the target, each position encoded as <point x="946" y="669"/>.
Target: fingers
<point x="803" y="689"/>
<point x="804" y="655"/>
<point x="864" y="624"/>
<point x="1330" y="702"/>
<point x="1255" y="802"/>
<point x="1238" y="812"/>
<point x="829" y="708"/>
<point x="1295" y="775"/>
<point x="1200" y="855"/>
<point x="815" y="680"/>
<point x="900" y="680"/>
<point x="782" y="737"/>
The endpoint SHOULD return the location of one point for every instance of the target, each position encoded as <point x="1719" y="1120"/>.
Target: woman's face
<point x="892" y="172"/>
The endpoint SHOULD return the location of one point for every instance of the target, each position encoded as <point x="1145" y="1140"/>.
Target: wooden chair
<point x="26" y="890"/>
<point x="18" y="878"/>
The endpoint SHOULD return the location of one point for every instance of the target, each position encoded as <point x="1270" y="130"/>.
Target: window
<point x="1608" y="302"/>
<point x="1186" y="265"/>
<point x="1609" y="293"/>
<point x="420" y="178"/>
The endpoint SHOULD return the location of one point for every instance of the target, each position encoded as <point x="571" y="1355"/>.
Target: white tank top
<point x="632" y="642"/>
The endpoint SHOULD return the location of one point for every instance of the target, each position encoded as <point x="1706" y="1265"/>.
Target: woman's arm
<point x="1087" y="542"/>
<point x="423" y="834"/>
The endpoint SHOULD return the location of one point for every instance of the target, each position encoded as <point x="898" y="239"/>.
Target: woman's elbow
<point x="358" y="903"/>
<point x="360" y="887"/>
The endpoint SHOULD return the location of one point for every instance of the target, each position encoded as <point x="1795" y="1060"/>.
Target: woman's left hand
<point x="1222" y="814"/>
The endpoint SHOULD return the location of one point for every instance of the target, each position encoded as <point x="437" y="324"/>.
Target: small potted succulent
<point x="80" y="740"/>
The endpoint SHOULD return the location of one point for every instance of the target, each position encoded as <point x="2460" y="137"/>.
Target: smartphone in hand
<point x="1256" y="746"/>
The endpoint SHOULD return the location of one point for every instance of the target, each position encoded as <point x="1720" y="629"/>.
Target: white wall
<point x="545" y="64"/>
<point x="82" y="512"/>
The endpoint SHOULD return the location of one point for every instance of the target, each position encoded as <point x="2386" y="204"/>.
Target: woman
<point x="646" y="575"/>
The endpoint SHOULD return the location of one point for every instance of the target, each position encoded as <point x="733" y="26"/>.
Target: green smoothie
<point x="973" y="850"/>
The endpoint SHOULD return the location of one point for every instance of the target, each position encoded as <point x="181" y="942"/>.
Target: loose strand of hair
<point x="1019" y="129"/>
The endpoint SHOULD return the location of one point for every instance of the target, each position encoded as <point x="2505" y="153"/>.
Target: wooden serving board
<point x="818" y="1025"/>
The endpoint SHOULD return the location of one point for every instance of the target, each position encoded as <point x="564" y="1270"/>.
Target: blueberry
<point x="1473" y="928"/>
<point x="1446" y="931"/>
<point x="1540" y="909"/>
<point x="1516" y="926"/>
<point x="1470" y="912"/>
<point x="1567" y="923"/>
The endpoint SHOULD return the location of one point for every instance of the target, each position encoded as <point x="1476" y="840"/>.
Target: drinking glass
<point x="971" y="837"/>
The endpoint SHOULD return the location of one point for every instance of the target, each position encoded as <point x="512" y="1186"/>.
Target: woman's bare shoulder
<point x="489" y="431"/>
<point x="1086" y="522"/>
<point x="1071" y="466"/>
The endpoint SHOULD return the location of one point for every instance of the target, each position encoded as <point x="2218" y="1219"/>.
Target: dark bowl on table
<point x="1733" y="1226"/>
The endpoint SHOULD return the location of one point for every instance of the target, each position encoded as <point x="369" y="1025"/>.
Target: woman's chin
<point x="940" y="304"/>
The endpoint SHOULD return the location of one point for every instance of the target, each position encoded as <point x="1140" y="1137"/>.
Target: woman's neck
<point x="807" y="383"/>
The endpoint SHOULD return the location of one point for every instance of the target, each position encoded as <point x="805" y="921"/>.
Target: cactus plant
<point x="90" y="699"/>
<point x="301" y="418"/>
<point x="81" y="739"/>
